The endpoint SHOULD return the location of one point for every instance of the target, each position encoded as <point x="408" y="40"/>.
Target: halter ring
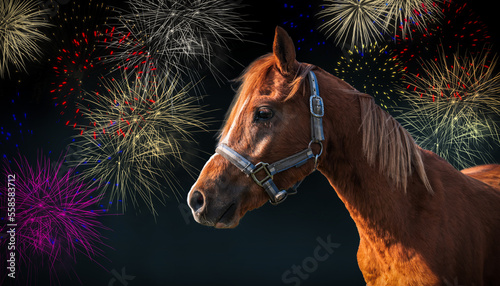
<point x="320" y="145"/>
<point x="316" y="157"/>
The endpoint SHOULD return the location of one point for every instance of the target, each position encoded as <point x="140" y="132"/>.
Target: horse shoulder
<point x="469" y="209"/>
<point x="490" y="175"/>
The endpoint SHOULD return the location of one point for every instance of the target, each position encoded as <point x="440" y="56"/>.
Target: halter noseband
<point x="317" y="110"/>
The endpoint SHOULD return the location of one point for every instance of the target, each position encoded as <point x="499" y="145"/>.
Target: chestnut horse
<point x="420" y="221"/>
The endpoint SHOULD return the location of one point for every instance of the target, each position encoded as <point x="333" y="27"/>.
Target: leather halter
<point x="276" y="196"/>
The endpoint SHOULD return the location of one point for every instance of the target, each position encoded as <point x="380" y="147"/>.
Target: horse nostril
<point x="197" y="201"/>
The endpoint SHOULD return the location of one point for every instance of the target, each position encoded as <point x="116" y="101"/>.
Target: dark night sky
<point x="175" y="250"/>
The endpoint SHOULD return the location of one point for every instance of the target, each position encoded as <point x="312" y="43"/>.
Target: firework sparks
<point x="460" y="27"/>
<point x="455" y="107"/>
<point x="20" y="24"/>
<point x="184" y="37"/>
<point x="359" y="21"/>
<point x="14" y="127"/>
<point x="375" y="71"/>
<point x="364" y="22"/>
<point x="52" y="215"/>
<point x="81" y="28"/>
<point x="298" y="18"/>
<point x="137" y="138"/>
<point x="459" y="77"/>
<point x="404" y="15"/>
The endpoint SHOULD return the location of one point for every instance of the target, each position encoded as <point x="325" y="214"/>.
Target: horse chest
<point x="383" y="266"/>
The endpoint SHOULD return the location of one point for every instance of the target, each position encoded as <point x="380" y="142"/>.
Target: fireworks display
<point x="464" y="26"/>
<point x="139" y="129"/>
<point x="179" y="37"/>
<point x="459" y="77"/>
<point x="460" y="27"/>
<point x="375" y="71"/>
<point x="455" y="107"/>
<point x="138" y="62"/>
<point x="53" y="215"/>
<point x="20" y="34"/>
<point x="354" y="22"/>
<point x="405" y="15"/>
<point x="364" y="22"/>
<point x="80" y="31"/>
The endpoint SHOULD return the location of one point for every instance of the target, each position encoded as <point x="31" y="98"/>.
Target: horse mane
<point x="384" y="138"/>
<point x="254" y="76"/>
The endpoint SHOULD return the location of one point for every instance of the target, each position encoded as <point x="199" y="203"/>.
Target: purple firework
<point x="51" y="215"/>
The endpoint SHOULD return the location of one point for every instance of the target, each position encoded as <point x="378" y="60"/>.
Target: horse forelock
<point x="257" y="76"/>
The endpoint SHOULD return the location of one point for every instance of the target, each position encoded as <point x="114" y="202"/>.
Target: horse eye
<point x="263" y="113"/>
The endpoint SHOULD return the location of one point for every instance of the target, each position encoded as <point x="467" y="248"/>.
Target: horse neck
<point x="376" y="205"/>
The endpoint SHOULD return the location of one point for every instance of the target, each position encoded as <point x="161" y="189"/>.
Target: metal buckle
<point x="280" y="197"/>
<point x="316" y="102"/>
<point x="261" y="166"/>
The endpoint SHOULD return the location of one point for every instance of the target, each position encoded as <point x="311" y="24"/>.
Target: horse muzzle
<point x="209" y="212"/>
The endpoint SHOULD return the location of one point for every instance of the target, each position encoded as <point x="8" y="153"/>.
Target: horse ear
<point x="284" y="51"/>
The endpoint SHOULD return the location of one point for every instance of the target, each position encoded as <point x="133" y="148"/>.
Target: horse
<point x="420" y="221"/>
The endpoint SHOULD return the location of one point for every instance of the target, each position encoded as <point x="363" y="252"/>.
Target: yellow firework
<point x="402" y="16"/>
<point x="140" y="131"/>
<point x="373" y="70"/>
<point x="454" y="107"/>
<point x="20" y="24"/>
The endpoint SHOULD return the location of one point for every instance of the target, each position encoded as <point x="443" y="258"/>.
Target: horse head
<point x="269" y="121"/>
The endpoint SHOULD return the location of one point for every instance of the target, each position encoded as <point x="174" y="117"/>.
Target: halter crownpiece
<point x="276" y="196"/>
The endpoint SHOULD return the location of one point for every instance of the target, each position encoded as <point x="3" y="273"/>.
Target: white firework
<point x="20" y="34"/>
<point x="354" y="22"/>
<point x="180" y="37"/>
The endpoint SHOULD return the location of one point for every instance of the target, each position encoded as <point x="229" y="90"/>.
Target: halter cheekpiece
<point x="276" y="196"/>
